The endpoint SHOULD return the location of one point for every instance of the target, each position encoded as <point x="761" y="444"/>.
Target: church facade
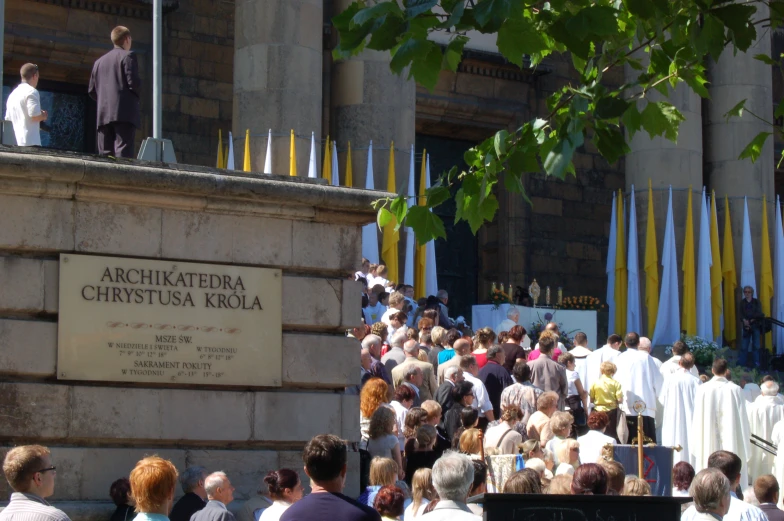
<point x="266" y="65"/>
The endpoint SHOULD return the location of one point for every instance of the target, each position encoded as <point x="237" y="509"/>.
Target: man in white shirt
<point x="641" y="381"/>
<point x="730" y="465"/>
<point x="607" y="353"/>
<point x="481" y="398"/>
<point x="396" y="303"/>
<point x="671" y="365"/>
<point x="580" y="353"/>
<point x="23" y="108"/>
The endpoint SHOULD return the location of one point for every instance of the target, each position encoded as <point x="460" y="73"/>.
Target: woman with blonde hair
<point x="503" y="436"/>
<point x="567" y="453"/>
<point x="635" y="486"/>
<point x="483" y="340"/>
<point x="530" y="449"/>
<point x="470" y="444"/>
<point x="560" y="485"/>
<point x="383" y="472"/>
<point x="382" y="440"/>
<point x="524" y="481"/>
<point x="561" y="425"/>
<point x="422" y="492"/>
<point x="372" y="396"/>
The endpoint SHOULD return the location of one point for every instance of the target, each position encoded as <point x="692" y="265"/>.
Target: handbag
<point x="622" y="429"/>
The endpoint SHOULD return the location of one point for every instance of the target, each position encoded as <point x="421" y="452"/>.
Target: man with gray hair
<point x="192" y="483"/>
<point x="373" y="344"/>
<point x="452" y="376"/>
<point x="512" y="319"/>
<point x="453" y="476"/>
<point x="710" y="490"/>
<point x="413" y="379"/>
<point x="429" y="386"/>
<point x="395" y="355"/>
<point x="764" y="412"/>
<point x="443" y="298"/>
<point x="495" y="377"/>
<point x="220" y="493"/>
<point x="645" y="346"/>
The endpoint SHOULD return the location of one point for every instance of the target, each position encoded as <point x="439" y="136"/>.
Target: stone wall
<point x="98" y="430"/>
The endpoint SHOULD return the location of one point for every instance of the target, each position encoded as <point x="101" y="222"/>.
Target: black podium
<point x="545" y="507"/>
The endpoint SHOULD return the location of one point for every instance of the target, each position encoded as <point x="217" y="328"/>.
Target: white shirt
<point x="671" y="366"/>
<point x="23" y="104"/>
<point x="571" y="379"/>
<point x="591" y="444"/>
<point x="373" y="314"/>
<point x="400" y="414"/>
<point x="409" y="514"/>
<point x="481" y="398"/>
<point x="739" y="511"/>
<point x="274" y="512"/>
<point x="447" y="510"/>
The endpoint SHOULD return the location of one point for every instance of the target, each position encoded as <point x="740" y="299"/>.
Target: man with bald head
<point x="557" y="351"/>
<point x="395" y="355"/>
<point x="428" y="388"/>
<point x="220" y="493"/>
<point x="462" y="347"/>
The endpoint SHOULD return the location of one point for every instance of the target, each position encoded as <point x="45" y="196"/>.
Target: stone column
<point x="733" y="78"/>
<point x="277" y="78"/>
<point x="665" y="163"/>
<point x="369" y="102"/>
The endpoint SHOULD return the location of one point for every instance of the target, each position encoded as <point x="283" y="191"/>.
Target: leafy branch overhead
<point x="665" y="41"/>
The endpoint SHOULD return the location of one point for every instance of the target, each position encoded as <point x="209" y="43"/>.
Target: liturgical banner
<point x="657" y="462"/>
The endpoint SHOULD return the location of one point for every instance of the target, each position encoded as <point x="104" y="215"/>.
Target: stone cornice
<point x="188" y="187"/>
<point x="125" y="8"/>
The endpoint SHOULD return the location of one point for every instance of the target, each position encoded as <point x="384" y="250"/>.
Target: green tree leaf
<point x="661" y="119"/>
<point x="499" y="142"/>
<point x="399" y="209"/>
<point x="437" y="195"/>
<point x="489" y="10"/>
<point x="754" y="149"/>
<point x="513" y="181"/>
<point x="611" y="143"/>
<point x="417" y="7"/>
<point x="610" y="107"/>
<point x="560" y="157"/>
<point x="388" y="33"/>
<point x="736" y="111"/>
<point x="363" y="16"/>
<point x="594" y="21"/>
<point x="632" y="119"/>
<point x="517" y="37"/>
<point x="642" y="8"/>
<point x="384" y="217"/>
<point x="426" y="224"/>
<point x="454" y="53"/>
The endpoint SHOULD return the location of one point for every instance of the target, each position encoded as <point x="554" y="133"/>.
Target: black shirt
<point x="324" y="506"/>
<point x="186" y="506"/>
<point x="496" y="379"/>
<point x="432" y="357"/>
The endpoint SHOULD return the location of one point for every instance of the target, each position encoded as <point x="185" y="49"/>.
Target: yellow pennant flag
<point x="246" y="162"/>
<point x="715" y="272"/>
<point x="621" y="274"/>
<point x="293" y="156"/>
<point x="349" y="170"/>
<point x="326" y="168"/>
<point x="420" y="255"/>
<point x="730" y="278"/>
<point x="766" y="278"/>
<point x="220" y="163"/>
<point x="391" y="236"/>
<point x="689" y="316"/>
<point x="651" y="266"/>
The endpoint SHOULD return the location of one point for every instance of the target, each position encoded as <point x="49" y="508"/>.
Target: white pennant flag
<point x="704" y="263"/>
<point x="633" y="320"/>
<point x="370" y="231"/>
<point x="230" y="159"/>
<point x="778" y="271"/>
<point x="747" y="273"/>
<point x="408" y="277"/>
<point x="312" y="166"/>
<point x="431" y="277"/>
<point x="335" y="170"/>
<point x="611" y="269"/>
<point x="668" y="319"/>
<point x="268" y="159"/>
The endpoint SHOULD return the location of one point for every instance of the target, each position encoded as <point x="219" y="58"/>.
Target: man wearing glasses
<point x="750" y="311"/>
<point x="30" y="473"/>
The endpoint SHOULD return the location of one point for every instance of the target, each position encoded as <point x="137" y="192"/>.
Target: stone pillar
<point x="665" y="163"/>
<point x="370" y="102"/>
<point x="277" y="78"/>
<point x="733" y="78"/>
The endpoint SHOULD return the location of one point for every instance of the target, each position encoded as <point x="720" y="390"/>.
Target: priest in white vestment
<point x="641" y="381"/>
<point x="677" y="398"/>
<point x="720" y="420"/>
<point x="512" y="318"/>
<point x="764" y="413"/>
<point x="606" y="353"/>
<point x="580" y="353"/>
<point x="730" y="465"/>
<point x="645" y="345"/>
<point x="777" y="438"/>
<point x="671" y="365"/>
<point x="750" y="390"/>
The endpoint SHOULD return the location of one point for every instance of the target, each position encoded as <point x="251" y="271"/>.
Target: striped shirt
<point x="29" y="507"/>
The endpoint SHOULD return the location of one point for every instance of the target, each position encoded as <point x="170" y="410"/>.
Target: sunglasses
<point x="46" y="469"/>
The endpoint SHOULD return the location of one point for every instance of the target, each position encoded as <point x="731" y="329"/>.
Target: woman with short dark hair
<point x="590" y="478"/>
<point x="592" y="442"/>
<point x="285" y="489"/>
<point x="120" y="492"/>
<point x="463" y="396"/>
<point x="682" y="476"/>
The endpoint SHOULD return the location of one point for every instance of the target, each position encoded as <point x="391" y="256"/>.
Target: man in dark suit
<point x="192" y="483"/>
<point x="766" y="488"/>
<point x="115" y="85"/>
<point x="220" y="493"/>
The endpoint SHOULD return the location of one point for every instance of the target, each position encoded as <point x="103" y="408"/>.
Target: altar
<point x="573" y="320"/>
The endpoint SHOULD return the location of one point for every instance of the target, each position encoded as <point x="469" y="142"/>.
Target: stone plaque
<point x="141" y="320"/>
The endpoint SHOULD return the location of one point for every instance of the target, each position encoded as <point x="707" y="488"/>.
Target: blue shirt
<point x="447" y="354"/>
